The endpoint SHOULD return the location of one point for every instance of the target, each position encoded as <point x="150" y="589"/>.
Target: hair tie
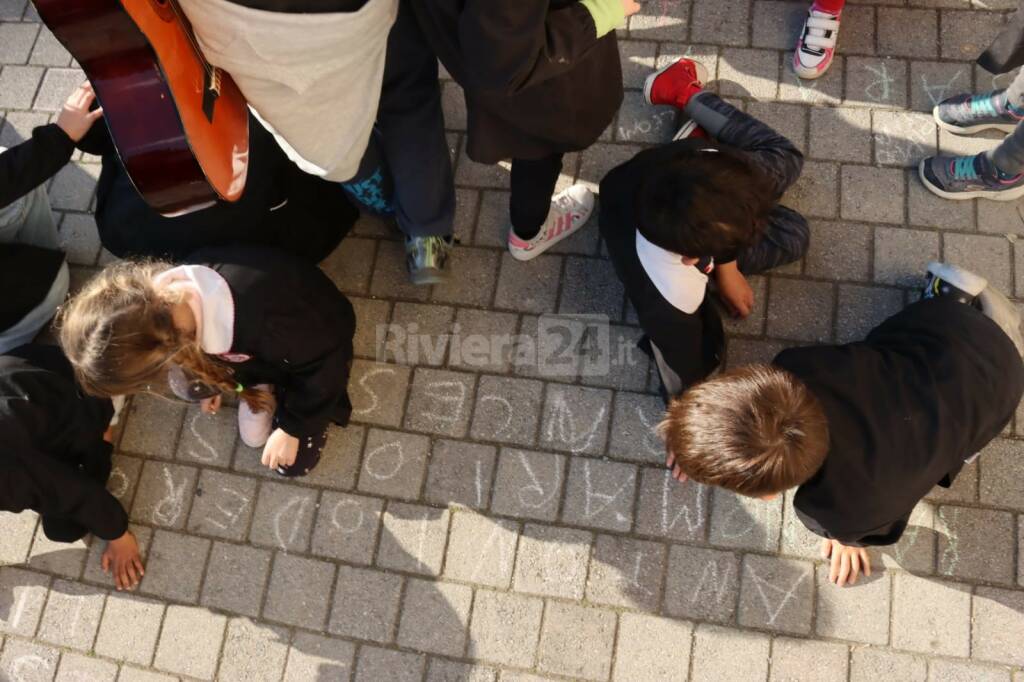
<point x="239" y="388"/>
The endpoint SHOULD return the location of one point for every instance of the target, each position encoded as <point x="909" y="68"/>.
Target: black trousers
<point x="533" y="182"/>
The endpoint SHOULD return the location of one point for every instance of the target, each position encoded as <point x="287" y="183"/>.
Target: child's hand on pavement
<point x="210" y="405"/>
<point x="122" y="556"/>
<point x="677" y="473"/>
<point x="734" y="289"/>
<point x="75" y="119"/>
<point x="630" y="7"/>
<point x="281" y="450"/>
<point x="847" y="562"/>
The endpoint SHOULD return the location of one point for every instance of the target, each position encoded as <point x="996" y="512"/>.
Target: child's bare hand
<point x="847" y="562"/>
<point x="210" y="405"/>
<point x="677" y="473"/>
<point x="735" y="290"/>
<point x="281" y="450"/>
<point x="75" y="119"/>
<point x="122" y="555"/>
<point x="630" y="7"/>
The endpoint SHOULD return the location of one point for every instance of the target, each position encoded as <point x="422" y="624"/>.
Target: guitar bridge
<point x="211" y="91"/>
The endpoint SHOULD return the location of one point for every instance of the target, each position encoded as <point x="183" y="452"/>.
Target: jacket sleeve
<point x="889" y="534"/>
<point x="54" y="489"/>
<point x="33" y="162"/>
<point x="510" y="46"/>
<point x="772" y="152"/>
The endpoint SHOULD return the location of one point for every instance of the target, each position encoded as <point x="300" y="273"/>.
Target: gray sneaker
<point x="427" y="258"/>
<point x="969" y="177"/>
<point x="968" y="114"/>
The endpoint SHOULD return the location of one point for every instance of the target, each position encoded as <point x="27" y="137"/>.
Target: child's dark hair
<point x="119" y="334"/>
<point x="705" y="202"/>
<point x="755" y="430"/>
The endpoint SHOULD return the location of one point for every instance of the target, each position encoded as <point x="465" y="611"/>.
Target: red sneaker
<point x="676" y="83"/>
<point x="690" y="129"/>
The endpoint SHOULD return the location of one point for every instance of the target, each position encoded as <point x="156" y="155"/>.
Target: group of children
<point x="228" y="300"/>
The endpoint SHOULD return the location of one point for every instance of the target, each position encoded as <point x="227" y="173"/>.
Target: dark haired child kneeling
<point x="56" y="457"/>
<point x="249" y="320"/>
<point x="703" y="205"/>
<point x="866" y="429"/>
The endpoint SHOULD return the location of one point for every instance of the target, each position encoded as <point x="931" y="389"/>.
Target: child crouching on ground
<point x="866" y="429"/>
<point x="704" y="203"/>
<point x="242" y="319"/>
<point x="56" y="457"/>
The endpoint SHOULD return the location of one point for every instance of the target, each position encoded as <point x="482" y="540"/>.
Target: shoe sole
<point x="428" y="277"/>
<point x="970" y="130"/>
<point x="524" y="256"/>
<point x="1005" y="195"/>
<point x="702" y="78"/>
<point x="809" y="75"/>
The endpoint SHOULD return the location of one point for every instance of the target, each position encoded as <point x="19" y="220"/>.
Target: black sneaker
<point x="951" y="281"/>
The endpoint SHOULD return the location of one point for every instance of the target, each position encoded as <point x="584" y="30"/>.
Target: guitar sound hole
<point x="163" y="9"/>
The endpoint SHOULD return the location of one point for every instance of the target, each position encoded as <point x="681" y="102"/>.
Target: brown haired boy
<point x="866" y="429"/>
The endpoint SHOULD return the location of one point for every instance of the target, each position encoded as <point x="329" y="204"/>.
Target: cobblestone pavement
<point x="483" y="520"/>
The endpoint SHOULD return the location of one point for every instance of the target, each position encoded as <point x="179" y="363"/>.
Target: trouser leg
<point x="532" y="184"/>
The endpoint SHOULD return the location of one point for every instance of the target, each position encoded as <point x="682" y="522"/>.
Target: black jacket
<point x="27" y="272"/>
<point x="537" y="79"/>
<point x="1006" y="52"/>
<point x="295" y="327"/>
<point x="928" y="388"/>
<point x="55" y="460"/>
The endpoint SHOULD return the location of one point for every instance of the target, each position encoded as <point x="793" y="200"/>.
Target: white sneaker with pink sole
<point x="817" y="44"/>
<point x="570" y="210"/>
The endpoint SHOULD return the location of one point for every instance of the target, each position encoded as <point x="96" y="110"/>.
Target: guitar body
<point x="180" y="127"/>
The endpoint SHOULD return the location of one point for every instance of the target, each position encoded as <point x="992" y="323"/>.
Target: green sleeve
<point x="607" y="14"/>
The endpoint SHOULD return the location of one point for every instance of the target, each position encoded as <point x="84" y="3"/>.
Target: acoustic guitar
<point x="180" y="125"/>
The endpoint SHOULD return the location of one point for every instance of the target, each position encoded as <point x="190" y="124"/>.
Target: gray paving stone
<point x="528" y="484"/>
<point x="670" y="509"/>
<point x="222" y="505"/>
<point x="800" y="659"/>
<point x="365" y="604"/>
<point x="378" y="392"/>
<point x="552" y="561"/>
<point x="876" y="82"/>
<point x="418" y="334"/>
<point x="440" y="402"/>
<point x="1001" y="468"/>
<point x="882" y="664"/>
<point x="930" y="616"/>
<point x="484" y="341"/>
<point x="998" y="619"/>
<point x="814" y="193"/>
<point x="235" y="578"/>
<point x="495" y="614"/>
<point x="599" y="494"/>
<point x="893" y="41"/>
<point x="284" y="517"/>
<point x="859" y="613"/>
<point x="575" y="419"/>
<point x="788" y="119"/>
<point x="347" y="527"/>
<point x="591" y="288"/>
<point x="394" y="464"/>
<point x="55" y="87"/>
<point x="174" y="568"/>
<point x="663" y="22"/>
<point x="620" y="364"/>
<point x="460" y="474"/>
<point x="626" y="572"/>
<point x="296" y="592"/>
<point x="639" y="57"/>
<point x="435" y="617"/>
<point x="129" y="629"/>
<point x="72" y="615"/>
<point x="824" y="91"/>
<point x="941" y="670"/>
<point x="576" y="641"/>
<point x="748" y="73"/>
<point x="969" y="543"/>
<point x="369" y="314"/>
<point x="77" y="667"/>
<point x="1000" y="219"/>
<point x="928" y="210"/>
<point x="652" y="648"/>
<point x="932" y="82"/>
<point x="413" y="538"/>
<point x="124" y="478"/>
<point x="916" y="549"/>
<point x="207" y="440"/>
<point x="61" y="558"/>
<point x="77" y="232"/>
<point x="390" y="277"/>
<point x="253" y="651"/>
<point x="967" y="34"/>
<point x="777" y="594"/>
<point x="28" y="661"/>
<point x="379" y="664"/>
<point x="493" y="222"/>
<point x="475" y="283"/>
<point x="339" y="461"/>
<point x="164" y="494"/>
<point x="190" y="642"/>
<point x="17" y="41"/>
<point x="725" y="19"/>
<point x="841" y="134"/>
<point x="633" y="435"/>
<point x="640" y="122"/>
<point x="873" y="195"/>
<point x="351" y="266"/>
<point x="481" y="550"/>
<point x="48" y="51"/>
<point x="314" y="657"/>
<point x="800" y="310"/>
<point x="505" y="410"/>
<point x="744" y="522"/>
<point x="152" y="426"/>
<point x="722" y="654"/>
<point x="529" y="287"/>
<point x="861" y="309"/>
<point x="18" y="85"/>
<point x="902" y="255"/>
<point x="990" y="255"/>
<point x="775" y="24"/>
<point x="17" y="531"/>
<point x="903" y="138"/>
<point x="702" y="584"/>
<point x="441" y="670"/>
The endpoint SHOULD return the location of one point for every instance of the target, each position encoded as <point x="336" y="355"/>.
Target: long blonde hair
<point x="119" y="334"/>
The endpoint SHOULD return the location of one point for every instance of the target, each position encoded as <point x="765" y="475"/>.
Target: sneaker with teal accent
<point x="969" y="114"/>
<point x="427" y="259"/>
<point x="969" y="177"/>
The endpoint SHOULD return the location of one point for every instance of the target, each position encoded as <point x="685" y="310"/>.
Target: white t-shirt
<point x="682" y="285"/>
